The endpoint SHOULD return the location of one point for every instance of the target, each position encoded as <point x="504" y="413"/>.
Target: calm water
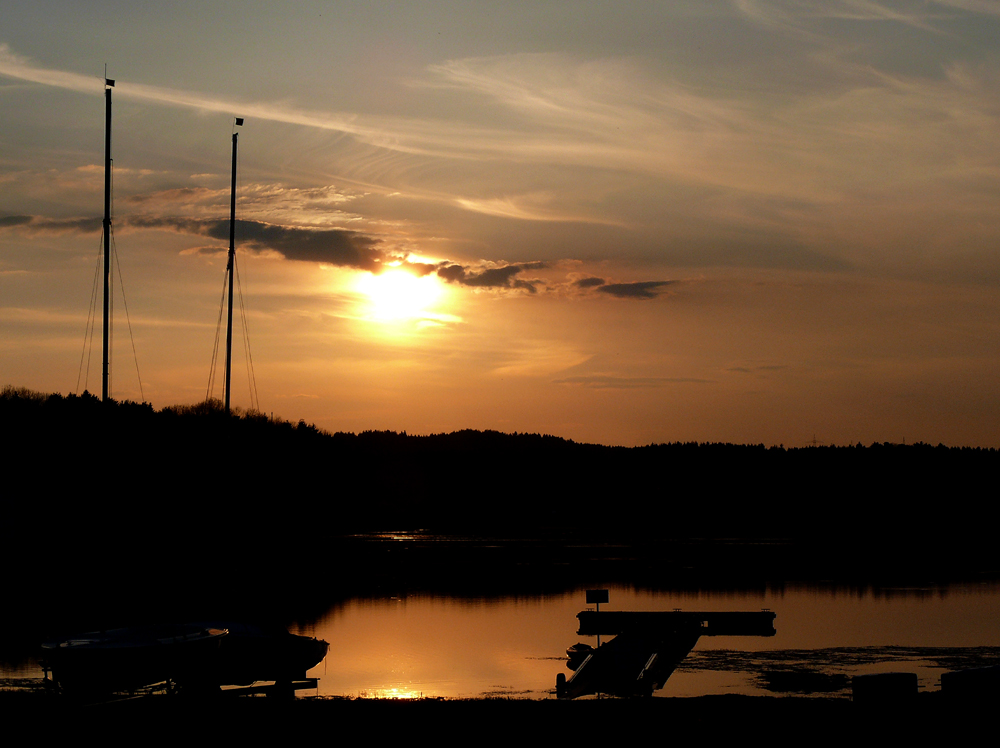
<point x="448" y="647"/>
<point x="441" y="646"/>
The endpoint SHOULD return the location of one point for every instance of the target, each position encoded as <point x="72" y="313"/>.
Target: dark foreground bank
<point x="777" y="720"/>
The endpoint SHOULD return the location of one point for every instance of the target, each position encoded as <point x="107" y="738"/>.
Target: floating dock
<point x="648" y="647"/>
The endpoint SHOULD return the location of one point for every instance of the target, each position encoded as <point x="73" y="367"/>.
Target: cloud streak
<point x="408" y="135"/>
<point x="752" y="170"/>
<point x="599" y="382"/>
<point x="39" y="225"/>
<point x="493" y="277"/>
<point x="642" y="290"/>
<point x="340" y="248"/>
<point x="794" y="14"/>
<point x="607" y="114"/>
<point x="637" y="290"/>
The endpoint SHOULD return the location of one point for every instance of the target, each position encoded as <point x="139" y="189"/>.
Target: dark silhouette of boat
<point x="125" y="659"/>
<point x="252" y="652"/>
<point x="193" y="657"/>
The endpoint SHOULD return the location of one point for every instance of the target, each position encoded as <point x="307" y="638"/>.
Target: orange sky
<point x="749" y="221"/>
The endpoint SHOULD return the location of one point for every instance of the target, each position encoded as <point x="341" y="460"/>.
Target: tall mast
<point x="108" y="85"/>
<point x="231" y="266"/>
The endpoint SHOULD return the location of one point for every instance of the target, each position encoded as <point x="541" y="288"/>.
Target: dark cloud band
<point x="334" y="246"/>
<point x="340" y="247"/>
<point x="501" y="277"/>
<point x="637" y="290"/>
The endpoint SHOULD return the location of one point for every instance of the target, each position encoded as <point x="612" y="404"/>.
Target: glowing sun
<point x="399" y="295"/>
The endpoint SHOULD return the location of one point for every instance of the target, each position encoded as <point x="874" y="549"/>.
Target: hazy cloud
<point x="599" y="382"/>
<point x="792" y="13"/>
<point x="37" y="224"/>
<point x="179" y="194"/>
<point x="533" y="207"/>
<point x="758" y="368"/>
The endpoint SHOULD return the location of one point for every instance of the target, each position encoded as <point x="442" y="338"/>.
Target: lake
<point x="438" y="646"/>
<point x="444" y="646"/>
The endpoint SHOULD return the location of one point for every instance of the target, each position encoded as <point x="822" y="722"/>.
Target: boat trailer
<point x="647" y="648"/>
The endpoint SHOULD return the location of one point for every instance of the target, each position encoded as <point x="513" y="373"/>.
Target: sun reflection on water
<point x="390" y="693"/>
<point x="428" y="646"/>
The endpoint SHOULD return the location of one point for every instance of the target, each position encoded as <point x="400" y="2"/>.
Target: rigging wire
<point x="111" y="285"/>
<point x="128" y="319"/>
<point x="88" y="332"/>
<point x="251" y="377"/>
<point x="111" y="317"/>
<point x="121" y="285"/>
<point x="213" y="369"/>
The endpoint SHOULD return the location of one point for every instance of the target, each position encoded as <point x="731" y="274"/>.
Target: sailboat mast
<point x="230" y="269"/>
<point x="108" y="84"/>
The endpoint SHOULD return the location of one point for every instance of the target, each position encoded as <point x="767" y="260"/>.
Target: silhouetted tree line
<point x="258" y="476"/>
<point x="245" y="504"/>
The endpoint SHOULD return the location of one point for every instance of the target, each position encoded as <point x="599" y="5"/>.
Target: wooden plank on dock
<point x="704" y="623"/>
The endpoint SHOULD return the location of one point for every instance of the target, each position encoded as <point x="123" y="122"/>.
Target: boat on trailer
<point x="192" y="657"/>
<point x="125" y="659"/>
<point x="253" y="652"/>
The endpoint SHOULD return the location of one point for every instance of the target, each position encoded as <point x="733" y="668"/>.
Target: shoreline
<point x="732" y="716"/>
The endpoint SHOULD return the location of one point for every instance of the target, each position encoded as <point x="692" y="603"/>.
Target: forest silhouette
<point x="116" y="503"/>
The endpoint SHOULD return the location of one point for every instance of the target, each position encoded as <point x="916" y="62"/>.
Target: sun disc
<point x="397" y="294"/>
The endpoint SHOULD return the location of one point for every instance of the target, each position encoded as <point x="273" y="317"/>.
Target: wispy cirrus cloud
<point x="321" y="207"/>
<point x="413" y="135"/>
<point x="609" y="114"/>
<point x="795" y="14"/>
<point x="984" y="7"/>
<point x="605" y="382"/>
<point x="532" y="207"/>
<point x="818" y="169"/>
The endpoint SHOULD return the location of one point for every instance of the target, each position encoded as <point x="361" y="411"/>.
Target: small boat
<point x="193" y="657"/>
<point x="258" y="652"/>
<point x="125" y="659"/>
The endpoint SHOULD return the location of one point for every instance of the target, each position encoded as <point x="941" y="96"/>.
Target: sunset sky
<point x="632" y="222"/>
